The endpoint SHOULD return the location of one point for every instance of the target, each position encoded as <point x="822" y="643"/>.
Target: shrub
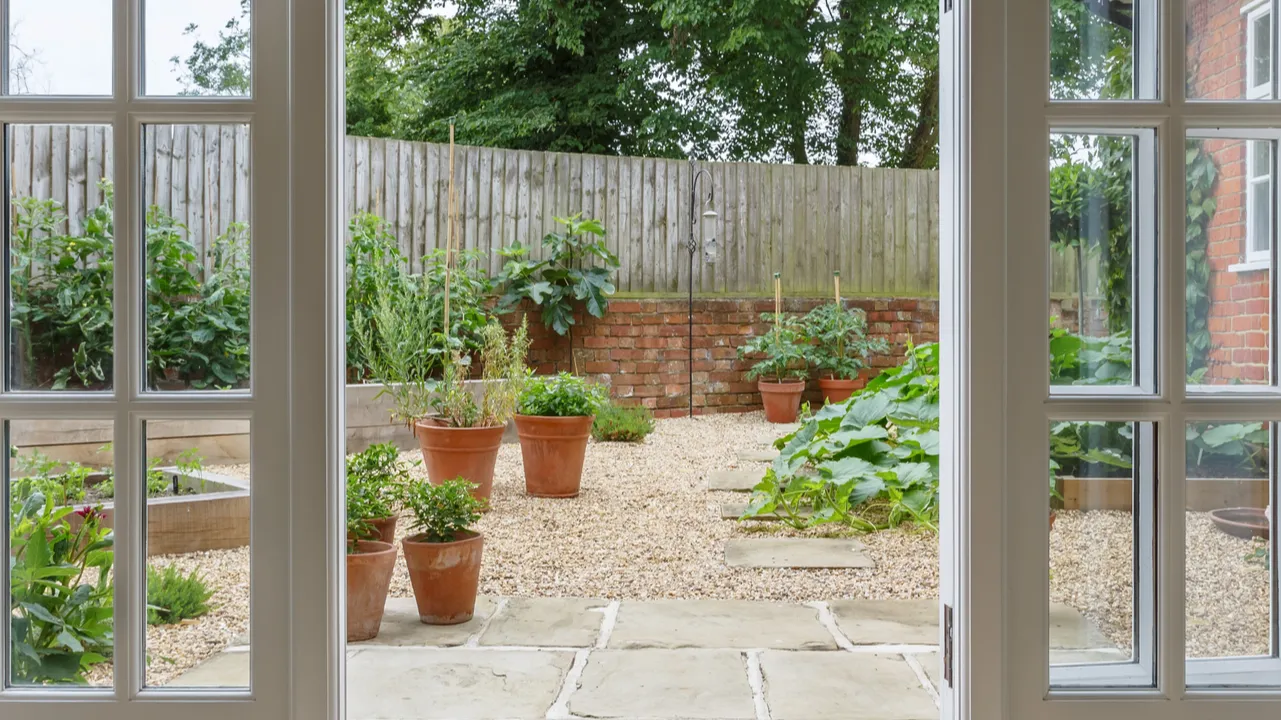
<point x="442" y="512"/>
<point x="616" y="423"/>
<point x="504" y="376"/>
<point x="841" y="345"/>
<point x="376" y="478"/>
<point x="780" y="353"/>
<point x="173" y="597"/>
<point x="562" y="395"/>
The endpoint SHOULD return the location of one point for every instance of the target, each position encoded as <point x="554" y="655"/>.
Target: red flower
<point x="88" y="513"/>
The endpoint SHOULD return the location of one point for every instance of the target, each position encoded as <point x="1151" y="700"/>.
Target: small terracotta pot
<point x="836" y="390"/>
<point x="553" y="449"/>
<point x="369" y="571"/>
<point x="445" y="577"/>
<point x="782" y="400"/>
<point x="468" y="453"/>
<point x="1053" y="516"/>
<point x="385" y="529"/>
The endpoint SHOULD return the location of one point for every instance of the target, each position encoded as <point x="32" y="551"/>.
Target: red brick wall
<point x="1216" y="49"/>
<point x="640" y="348"/>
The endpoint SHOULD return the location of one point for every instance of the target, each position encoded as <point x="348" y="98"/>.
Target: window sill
<point x="1250" y="266"/>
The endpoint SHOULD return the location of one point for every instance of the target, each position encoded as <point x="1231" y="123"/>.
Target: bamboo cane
<point x="836" y="276"/>
<point x="449" y="238"/>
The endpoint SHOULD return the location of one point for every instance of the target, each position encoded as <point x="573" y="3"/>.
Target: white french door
<point x="171" y="151"/>
<point x="1116" y="264"/>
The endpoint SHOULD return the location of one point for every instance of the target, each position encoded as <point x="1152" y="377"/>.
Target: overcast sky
<point x="69" y="41"/>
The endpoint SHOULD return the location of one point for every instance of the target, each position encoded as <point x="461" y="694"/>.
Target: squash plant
<point x="578" y="267"/>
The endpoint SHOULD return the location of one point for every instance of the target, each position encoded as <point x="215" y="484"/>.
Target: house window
<point x="1258" y="201"/>
<point x="1258" y="41"/>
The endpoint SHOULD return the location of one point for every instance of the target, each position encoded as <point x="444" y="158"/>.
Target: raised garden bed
<point x="1203" y="494"/>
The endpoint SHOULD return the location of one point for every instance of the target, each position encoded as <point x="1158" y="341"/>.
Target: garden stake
<point x="697" y="174"/>
<point x="449" y="241"/>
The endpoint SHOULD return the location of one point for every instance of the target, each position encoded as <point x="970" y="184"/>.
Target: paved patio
<point x="540" y="658"/>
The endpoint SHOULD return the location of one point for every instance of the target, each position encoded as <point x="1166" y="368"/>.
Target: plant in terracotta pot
<point x="779" y="365"/>
<point x="554" y="421"/>
<point x="370" y="561"/>
<point x="443" y="552"/>
<point x="840" y="348"/>
<point x="375" y="477"/>
<point x="462" y="437"/>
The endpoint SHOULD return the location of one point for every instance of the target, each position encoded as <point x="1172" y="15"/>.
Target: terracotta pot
<point x="836" y="390"/>
<point x="553" y="449"/>
<point x="1244" y="523"/>
<point x="384" y="527"/>
<point x="445" y="577"/>
<point x="468" y="453"/>
<point x="1053" y="516"/>
<point x="782" y="400"/>
<point x="369" y="572"/>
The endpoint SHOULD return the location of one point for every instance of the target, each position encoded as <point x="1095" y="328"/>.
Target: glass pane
<point x="1229" y="49"/>
<point x="60" y="47"/>
<point x="196" y="195"/>
<point x="1091" y="50"/>
<point x="198" y="579"/>
<point x="1229" y="306"/>
<point x="1095" y="553"/>
<point x="61" y="233"/>
<point x="1260" y="216"/>
<point x="60" y="593"/>
<point x="197" y="48"/>
<point x="1091" y="260"/>
<point x="1231" y="568"/>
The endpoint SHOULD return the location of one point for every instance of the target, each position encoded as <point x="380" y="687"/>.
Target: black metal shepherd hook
<point x="710" y="214"/>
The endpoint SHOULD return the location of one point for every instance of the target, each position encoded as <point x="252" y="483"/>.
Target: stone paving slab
<point x="692" y="684"/>
<point x="888" y="622"/>
<point x="734" y="511"/>
<point x="734" y="479"/>
<point x="1070" y="630"/>
<point x="401" y="625"/>
<point x="932" y="664"/>
<point x="796" y="553"/>
<point x="741" y="624"/>
<point x="226" y="669"/>
<point x="843" y="686"/>
<point x="756" y="455"/>
<point x="546" y="622"/>
<point x="453" y="684"/>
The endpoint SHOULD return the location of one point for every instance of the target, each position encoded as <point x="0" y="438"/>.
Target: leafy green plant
<point x="619" y="423"/>
<point x="60" y="619"/>
<point x="558" y="281"/>
<point x="173" y="597"/>
<point x="503" y="380"/>
<point x="562" y="395"/>
<point x="840" y="343"/>
<point x="376" y="478"/>
<point x="780" y="353"/>
<point x="442" y="512"/>
<point x="1083" y="360"/>
<point x="35" y="473"/>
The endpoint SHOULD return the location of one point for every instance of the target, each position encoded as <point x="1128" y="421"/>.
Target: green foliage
<point x="221" y="68"/>
<point x="841" y="345"/>
<point x="870" y="462"/>
<point x="442" y="512"/>
<point x="60" y="619"/>
<point x="1090" y="49"/>
<point x="781" y="352"/>
<point x="173" y="597"/>
<point x="376" y="478"/>
<point x="619" y="423"/>
<point x="1201" y="178"/>
<point x="35" y="473"/>
<point x="562" y="395"/>
<point x="503" y="379"/>
<point x="1083" y="360"/>
<point x="558" y="281"/>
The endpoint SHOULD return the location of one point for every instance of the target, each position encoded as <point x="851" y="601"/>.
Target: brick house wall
<point x="641" y="347"/>
<point x="1239" y="309"/>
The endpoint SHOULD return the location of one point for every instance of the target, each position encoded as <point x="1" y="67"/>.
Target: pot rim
<point x="785" y="384"/>
<point x="563" y="418"/>
<point x="834" y="379"/>
<point x="430" y="424"/>
<point x="386" y="548"/>
<point x="472" y="536"/>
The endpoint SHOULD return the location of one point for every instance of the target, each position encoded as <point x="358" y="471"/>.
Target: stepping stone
<point x="888" y="622"/>
<point x="739" y="624"/>
<point x="458" y="684"/>
<point x="736" y="480"/>
<point x="756" y="455"/>
<point x="734" y="511"/>
<point x="932" y="664"/>
<point x="1070" y="630"/>
<point x="402" y="627"/>
<point x="693" y="684"/>
<point x="800" y="686"/>
<point x="796" y="553"/>
<point x="546" y="622"/>
<point x="226" y="669"/>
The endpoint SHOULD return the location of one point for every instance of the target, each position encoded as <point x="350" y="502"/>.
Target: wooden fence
<point x="879" y="227"/>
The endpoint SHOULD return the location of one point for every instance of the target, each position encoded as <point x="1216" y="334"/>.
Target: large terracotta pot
<point x="470" y="453"/>
<point x="445" y="577"/>
<point x="369" y="572"/>
<point x="385" y="529"/>
<point x="836" y="390"/>
<point x="553" y="449"/>
<point x="782" y="400"/>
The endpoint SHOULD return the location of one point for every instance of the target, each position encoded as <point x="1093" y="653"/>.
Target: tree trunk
<point x="849" y="135"/>
<point x="920" y="145"/>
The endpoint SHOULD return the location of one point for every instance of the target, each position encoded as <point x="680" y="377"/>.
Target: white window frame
<point x="1252" y="13"/>
<point x="1256" y="257"/>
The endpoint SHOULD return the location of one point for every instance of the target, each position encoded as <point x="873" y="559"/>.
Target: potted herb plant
<point x="370" y="560"/>
<point x="443" y="553"/>
<point x="554" y="421"/>
<point x="840" y="348"/>
<point x="374" y="481"/>
<point x="779" y="365"/>
<point x="462" y="438"/>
